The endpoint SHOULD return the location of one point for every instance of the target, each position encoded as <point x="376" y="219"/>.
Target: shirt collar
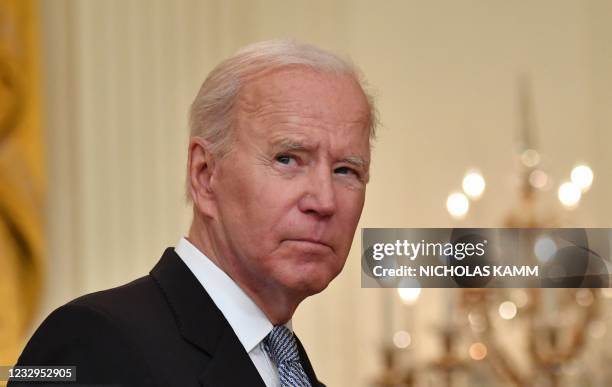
<point x="244" y="316"/>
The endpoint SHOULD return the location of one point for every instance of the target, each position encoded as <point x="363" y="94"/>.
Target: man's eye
<point x="284" y="159"/>
<point x="345" y="171"/>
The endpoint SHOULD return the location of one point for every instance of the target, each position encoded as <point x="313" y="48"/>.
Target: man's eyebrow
<point x="356" y="161"/>
<point x="287" y="144"/>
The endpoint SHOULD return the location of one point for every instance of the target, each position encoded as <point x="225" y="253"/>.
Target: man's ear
<point x="200" y="169"/>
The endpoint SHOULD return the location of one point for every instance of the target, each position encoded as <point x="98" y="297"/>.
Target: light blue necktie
<point x="281" y="346"/>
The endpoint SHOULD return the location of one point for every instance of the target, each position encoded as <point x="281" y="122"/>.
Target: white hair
<point x="211" y="115"/>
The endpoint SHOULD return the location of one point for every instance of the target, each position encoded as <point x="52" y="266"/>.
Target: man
<point x="277" y="170"/>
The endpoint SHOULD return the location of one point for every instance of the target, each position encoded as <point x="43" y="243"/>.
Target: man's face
<point x="290" y="192"/>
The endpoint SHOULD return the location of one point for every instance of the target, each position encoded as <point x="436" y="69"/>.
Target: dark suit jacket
<point x="159" y="330"/>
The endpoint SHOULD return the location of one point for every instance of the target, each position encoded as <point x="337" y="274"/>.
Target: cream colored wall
<point x="120" y="76"/>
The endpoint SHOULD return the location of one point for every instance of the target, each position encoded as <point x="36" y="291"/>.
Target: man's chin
<point x="310" y="281"/>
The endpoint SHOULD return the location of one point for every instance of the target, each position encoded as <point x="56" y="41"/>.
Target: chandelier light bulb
<point x="402" y="339"/>
<point x="569" y="194"/>
<point x="538" y="179"/>
<point x="478" y="351"/>
<point x="473" y="185"/>
<point x="582" y="176"/>
<point x="457" y="205"/>
<point x="507" y="310"/>
<point x="409" y="295"/>
<point x="530" y="158"/>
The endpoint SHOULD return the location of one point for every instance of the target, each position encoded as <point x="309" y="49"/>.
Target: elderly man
<point x="277" y="171"/>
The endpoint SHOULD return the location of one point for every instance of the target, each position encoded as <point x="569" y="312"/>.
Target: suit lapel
<point x="229" y="367"/>
<point x="202" y="324"/>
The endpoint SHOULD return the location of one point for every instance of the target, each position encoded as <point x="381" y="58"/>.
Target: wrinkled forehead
<point x="330" y="97"/>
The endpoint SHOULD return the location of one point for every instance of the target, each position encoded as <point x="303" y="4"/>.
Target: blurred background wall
<point x="118" y="77"/>
<point x="22" y="174"/>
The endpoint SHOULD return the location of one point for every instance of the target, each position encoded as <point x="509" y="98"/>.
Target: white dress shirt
<point x="246" y="319"/>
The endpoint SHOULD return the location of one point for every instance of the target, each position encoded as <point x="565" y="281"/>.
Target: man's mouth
<point x="310" y="241"/>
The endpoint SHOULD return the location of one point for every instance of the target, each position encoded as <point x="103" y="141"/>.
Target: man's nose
<point x="319" y="197"/>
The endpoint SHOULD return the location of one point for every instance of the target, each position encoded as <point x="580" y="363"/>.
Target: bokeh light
<point x="409" y="295"/>
<point x="473" y="185"/>
<point x="457" y="205"/>
<point x="538" y="179"/>
<point x="402" y="339"/>
<point x="507" y="310"/>
<point x="530" y="158"/>
<point x="569" y="194"/>
<point x="478" y="351"/>
<point x="544" y="249"/>
<point x="582" y="176"/>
